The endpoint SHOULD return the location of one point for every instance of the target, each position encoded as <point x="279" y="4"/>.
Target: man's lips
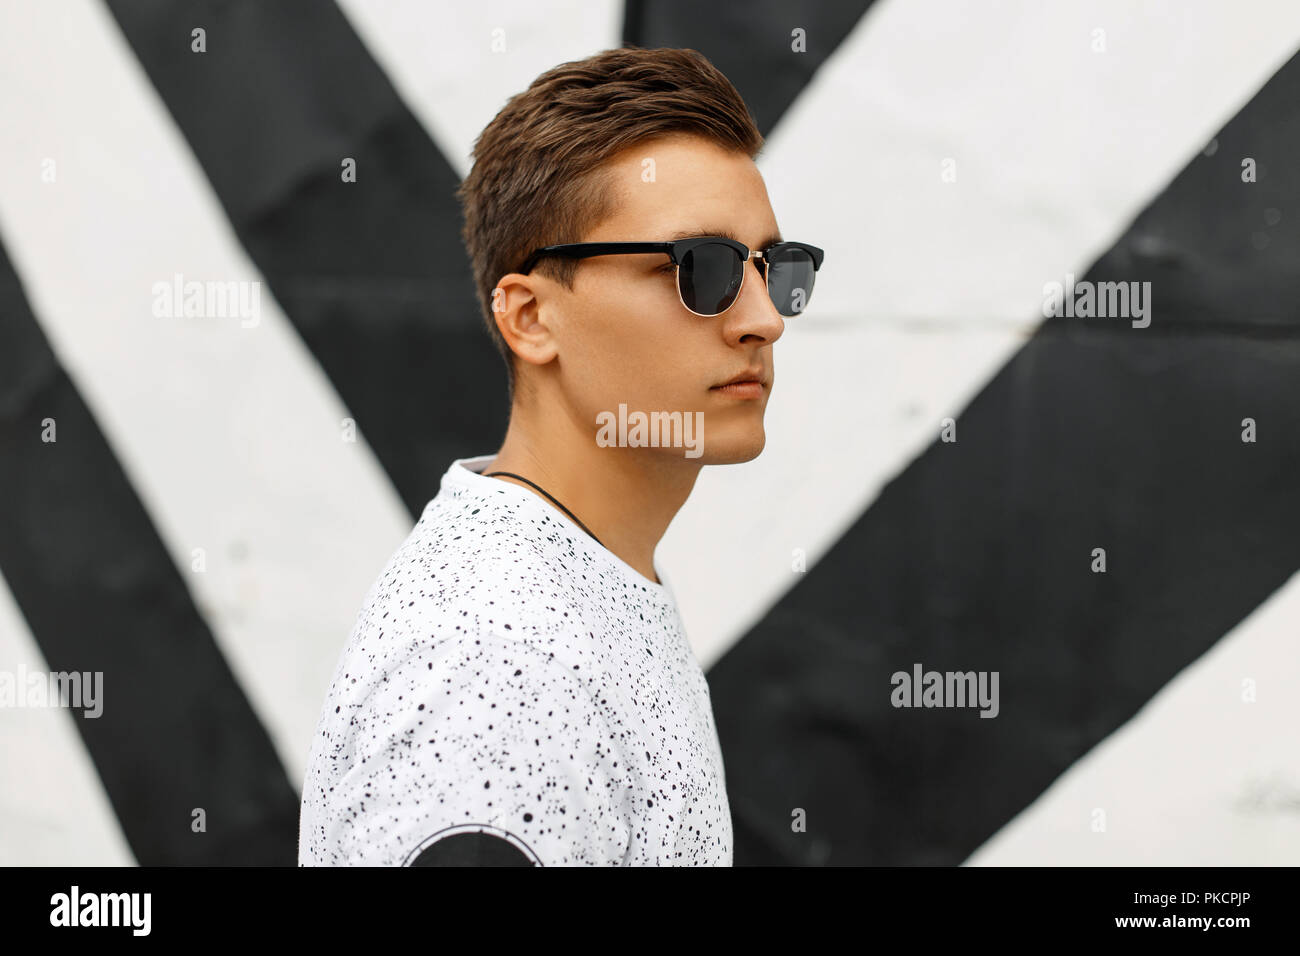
<point x="742" y="389"/>
<point x="749" y="375"/>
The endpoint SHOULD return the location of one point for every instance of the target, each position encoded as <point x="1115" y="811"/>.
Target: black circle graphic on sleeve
<point x="473" y="845"/>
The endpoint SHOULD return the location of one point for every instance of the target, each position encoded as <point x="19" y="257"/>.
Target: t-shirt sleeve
<point x="485" y="751"/>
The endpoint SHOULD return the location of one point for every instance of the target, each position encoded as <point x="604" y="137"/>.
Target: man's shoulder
<point x="439" y="588"/>
<point x="465" y="573"/>
<point x="475" y="551"/>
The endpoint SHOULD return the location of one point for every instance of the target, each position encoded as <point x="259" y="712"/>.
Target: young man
<point x="518" y="687"/>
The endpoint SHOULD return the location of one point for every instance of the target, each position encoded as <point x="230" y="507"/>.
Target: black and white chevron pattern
<point x="1101" y="139"/>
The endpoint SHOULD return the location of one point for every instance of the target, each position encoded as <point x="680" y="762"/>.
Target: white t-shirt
<point x="513" y="692"/>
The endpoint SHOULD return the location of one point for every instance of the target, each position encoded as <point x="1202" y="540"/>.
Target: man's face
<point x="623" y="335"/>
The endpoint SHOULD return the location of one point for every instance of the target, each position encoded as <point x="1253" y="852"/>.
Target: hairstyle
<point x="536" y="178"/>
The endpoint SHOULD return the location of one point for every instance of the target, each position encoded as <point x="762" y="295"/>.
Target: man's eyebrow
<point x="726" y="234"/>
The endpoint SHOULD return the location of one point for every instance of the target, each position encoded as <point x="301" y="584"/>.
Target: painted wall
<point x="203" y="531"/>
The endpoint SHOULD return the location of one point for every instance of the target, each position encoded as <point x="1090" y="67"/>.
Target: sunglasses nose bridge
<point x="756" y="254"/>
<point x="744" y="274"/>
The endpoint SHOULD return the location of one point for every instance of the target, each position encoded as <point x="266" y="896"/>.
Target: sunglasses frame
<point x="676" y="251"/>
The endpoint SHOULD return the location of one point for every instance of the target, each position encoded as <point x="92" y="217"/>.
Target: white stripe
<point x="53" y="809"/>
<point x="231" y="435"/>
<point x="455" y="65"/>
<point x="1198" y="777"/>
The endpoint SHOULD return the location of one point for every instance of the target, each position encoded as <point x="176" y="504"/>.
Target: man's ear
<point x="517" y="309"/>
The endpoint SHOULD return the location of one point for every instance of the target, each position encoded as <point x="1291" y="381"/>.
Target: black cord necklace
<point x="510" y="474"/>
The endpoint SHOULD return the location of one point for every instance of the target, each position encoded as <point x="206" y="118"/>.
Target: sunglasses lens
<point x="790" y="277"/>
<point x="709" y="278"/>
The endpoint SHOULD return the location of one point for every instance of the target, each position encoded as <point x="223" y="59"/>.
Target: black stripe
<point x="100" y="593"/>
<point x="752" y="43"/>
<point x="372" y="274"/>
<point x="977" y="557"/>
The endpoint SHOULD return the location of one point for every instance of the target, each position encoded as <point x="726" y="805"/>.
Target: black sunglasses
<point x="711" y="269"/>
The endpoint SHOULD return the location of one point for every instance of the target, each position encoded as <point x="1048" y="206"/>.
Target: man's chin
<point x="729" y="449"/>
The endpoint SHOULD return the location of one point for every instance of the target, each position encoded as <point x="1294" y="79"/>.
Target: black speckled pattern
<point x="507" y="672"/>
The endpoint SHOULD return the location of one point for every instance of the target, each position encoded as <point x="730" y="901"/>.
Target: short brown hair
<point x="535" y="182"/>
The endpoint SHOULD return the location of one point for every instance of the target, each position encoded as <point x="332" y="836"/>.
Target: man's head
<point x="627" y="145"/>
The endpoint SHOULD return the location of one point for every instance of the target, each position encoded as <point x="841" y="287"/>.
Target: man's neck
<point x="627" y="497"/>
